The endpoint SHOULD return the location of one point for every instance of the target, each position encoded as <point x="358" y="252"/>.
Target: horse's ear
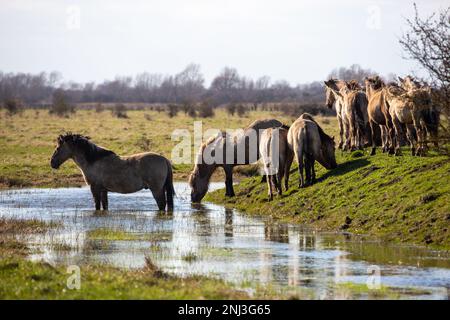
<point x="400" y="79"/>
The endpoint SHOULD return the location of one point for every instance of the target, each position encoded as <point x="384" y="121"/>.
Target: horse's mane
<point x="91" y="151"/>
<point x="353" y="85"/>
<point x="377" y="82"/>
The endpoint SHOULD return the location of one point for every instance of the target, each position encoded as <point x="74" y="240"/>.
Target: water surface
<point x="210" y="240"/>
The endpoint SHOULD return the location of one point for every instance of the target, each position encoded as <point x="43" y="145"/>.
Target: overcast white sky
<point x="299" y="41"/>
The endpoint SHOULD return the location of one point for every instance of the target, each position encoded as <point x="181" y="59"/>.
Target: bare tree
<point x="428" y="42"/>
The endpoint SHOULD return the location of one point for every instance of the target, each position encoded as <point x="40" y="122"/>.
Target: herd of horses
<point x="378" y="115"/>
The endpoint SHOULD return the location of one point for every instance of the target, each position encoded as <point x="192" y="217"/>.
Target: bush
<point x="60" y="106"/>
<point x="205" y="110"/>
<point x="172" y="110"/>
<point x="99" y="108"/>
<point x="13" y="106"/>
<point x="231" y="109"/>
<point x="120" y="111"/>
<point x="241" y="111"/>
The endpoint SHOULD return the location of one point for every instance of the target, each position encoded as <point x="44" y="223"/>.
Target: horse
<point x="244" y="150"/>
<point x="379" y="114"/>
<point x="276" y="157"/>
<point x="409" y="107"/>
<point x="104" y="171"/>
<point x="330" y="99"/>
<point x="310" y="143"/>
<point x="351" y="109"/>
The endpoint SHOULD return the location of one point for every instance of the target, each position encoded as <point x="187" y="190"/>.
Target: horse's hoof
<point x="398" y="152"/>
<point x="372" y="153"/>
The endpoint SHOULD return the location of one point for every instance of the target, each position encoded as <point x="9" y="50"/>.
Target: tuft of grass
<point x="24" y="226"/>
<point x="23" y="279"/>
<point x="111" y="235"/>
<point x="189" y="257"/>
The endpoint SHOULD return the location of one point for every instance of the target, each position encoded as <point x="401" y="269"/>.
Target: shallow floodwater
<point x="210" y="240"/>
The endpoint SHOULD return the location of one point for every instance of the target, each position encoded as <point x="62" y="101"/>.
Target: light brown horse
<point x="105" y="171"/>
<point x="351" y="108"/>
<point x="379" y="115"/>
<point x="409" y="107"/>
<point x="310" y="143"/>
<point x="244" y="149"/>
<point x="276" y="157"/>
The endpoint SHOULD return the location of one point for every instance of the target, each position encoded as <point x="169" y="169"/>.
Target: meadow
<point x="401" y="199"/>
<point x="28" y="140"/>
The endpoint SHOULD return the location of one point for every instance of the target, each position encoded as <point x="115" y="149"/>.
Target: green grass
<point x="22" y="279"/>
<point x="401" y="199"/>
<point x="27" y="141"/>
<point x="121" y="235"/>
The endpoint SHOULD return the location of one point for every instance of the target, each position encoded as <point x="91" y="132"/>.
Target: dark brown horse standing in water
<point x="105" y="171"/>
<point x="244" y="149"/>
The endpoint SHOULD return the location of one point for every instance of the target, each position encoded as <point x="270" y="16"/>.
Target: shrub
<point x="205" y="110"/>
<point x="99" y="108"/>
<point x="120" y="111"/>
<point x="241" y="111"/>
<point x="60" y="105"/>
<point x="231" y="109"/>
<point x="13" y="106"/>
<point x="172" y="110"/>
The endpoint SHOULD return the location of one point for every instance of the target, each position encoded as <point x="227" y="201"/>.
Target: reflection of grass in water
<point x="60" y="246"/>
<point x="189" y="257"/>
<point x="25" y="226"/>
<point x="358" y="290"/>
<point x="122" y="235"/>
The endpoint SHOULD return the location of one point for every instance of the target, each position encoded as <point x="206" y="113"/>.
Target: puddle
<point x="210" y="240"/>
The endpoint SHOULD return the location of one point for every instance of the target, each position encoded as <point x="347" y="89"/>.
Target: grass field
<point x="399" y="198"/>
<point x="27" y="141"/>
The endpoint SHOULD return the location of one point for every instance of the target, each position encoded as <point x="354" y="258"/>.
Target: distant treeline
<point x="185" y="87"/>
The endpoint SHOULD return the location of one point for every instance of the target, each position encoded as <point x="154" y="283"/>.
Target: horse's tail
<point x="168" y="187"/>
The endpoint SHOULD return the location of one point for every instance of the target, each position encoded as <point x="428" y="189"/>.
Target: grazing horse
<point x="244" y="149"/>
<point x="310" y="143"/>
<point x="351" y="109"/>
<point x="276" y="157"/>
<point x="379" y="114"/>
<point x="104" y="171"/>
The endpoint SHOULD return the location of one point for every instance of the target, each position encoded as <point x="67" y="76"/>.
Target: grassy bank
<point x="27" y="140"/>
<point x="402" y="199"/>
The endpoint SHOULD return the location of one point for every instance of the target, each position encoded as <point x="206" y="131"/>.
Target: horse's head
<point x="333" y="87"/>
<point x="328" y="151"/>
<point x="409" y="83"/>
<point x="203" y="170"/>
<point x="330" y="99"/>
<point x="65" y="148"/>
<point x="199" y="182"/>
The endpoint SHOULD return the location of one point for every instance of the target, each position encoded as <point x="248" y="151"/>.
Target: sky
<point x="296" y="40"/>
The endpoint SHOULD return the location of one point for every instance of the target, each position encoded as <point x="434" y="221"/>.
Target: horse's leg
<point x="341" y="132"/>
<point x="411" y="138"/>
<point x="160" y="198"/>
<point x="384" y="141"/>
<point x="398" y="133"/>
<point x="269" y="186"/>
<point x="104" y="197"/>
<point x="308" y="169"/>
<point x="374" y="144"/>
<point x="313" y="171"/>
<point x="96" y="193"/>
<point x="287" y="168"/>
<point x="229" y="181"/>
